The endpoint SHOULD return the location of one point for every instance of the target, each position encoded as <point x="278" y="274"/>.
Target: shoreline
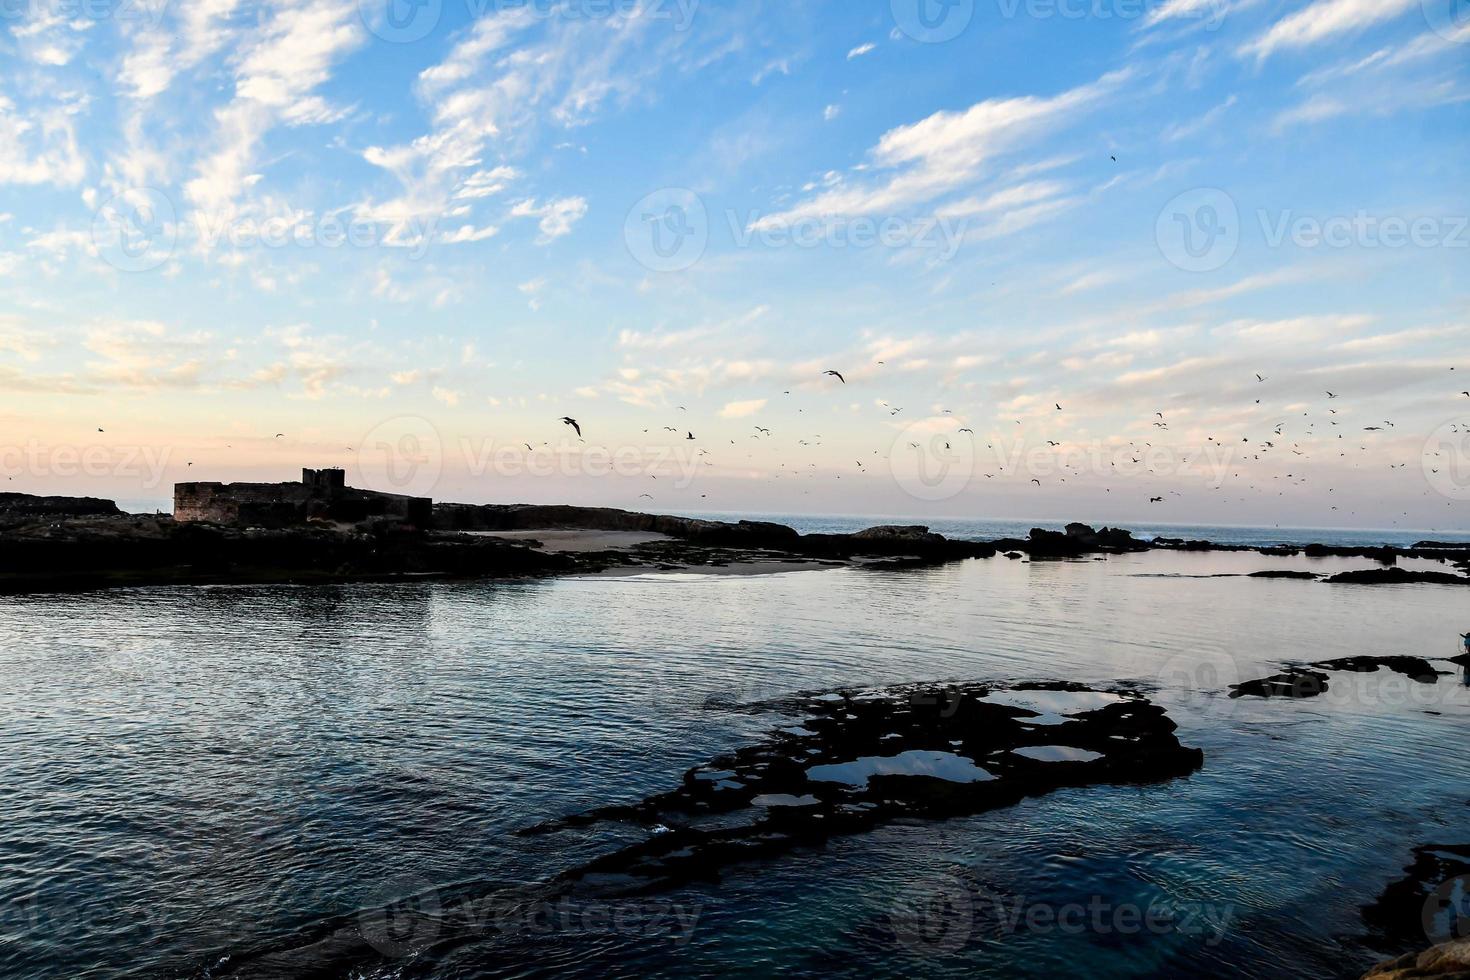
<point x="78" y="545"/>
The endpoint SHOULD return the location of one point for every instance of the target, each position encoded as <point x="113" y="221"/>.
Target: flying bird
<point x="834" y="374"/>
<point x="574" y="424"/>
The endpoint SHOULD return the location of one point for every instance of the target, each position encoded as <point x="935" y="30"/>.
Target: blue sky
<point x="409" y="236"/>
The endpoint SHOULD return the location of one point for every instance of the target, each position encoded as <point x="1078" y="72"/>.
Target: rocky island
<point x="321" y="530"/>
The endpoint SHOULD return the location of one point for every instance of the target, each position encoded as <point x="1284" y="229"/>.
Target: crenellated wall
<point x="321" y="494"/>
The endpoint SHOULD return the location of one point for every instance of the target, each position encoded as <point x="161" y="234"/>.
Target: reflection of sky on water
<point x="195" y="771"/>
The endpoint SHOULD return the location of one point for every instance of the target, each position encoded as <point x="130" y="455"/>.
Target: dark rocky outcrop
<point x="1294" y="683"/>
<point x="862" y="758"/>
<point x="80" y="554"/>
<point x="1284" y="573"/>
<point x="1076" y="541"/>
<point x="1447" y="961"/>
<point x="910" y="535"/>
<point x="1397" y="576"/>
<point x="22" y="508"/>
<point x="1309" y="681"/>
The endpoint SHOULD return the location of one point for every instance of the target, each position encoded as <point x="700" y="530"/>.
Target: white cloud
<point x="40" y="148"/>
<point x="289" y="56"/>
<point x="1322" y="20"/>
<point x="945" y="152"/>
<point x="743" y="410"/>
<point x="861" y="50"/>
<point x="555" y="218"/>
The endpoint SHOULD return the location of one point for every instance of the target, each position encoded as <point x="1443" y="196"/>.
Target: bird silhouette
<point x="574" y="424"/>
<point x="834" y="374"/>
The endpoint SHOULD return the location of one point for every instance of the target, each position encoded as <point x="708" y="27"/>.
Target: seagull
<point x="1331" y="395"/>
<point x="1156" y="500"/>
<point x="1260" y="379"/>
<point x="689" y="437"/>
<point x="970" y="431"/>
<point x="573" y="423"/>
<point x="834" y="374"/>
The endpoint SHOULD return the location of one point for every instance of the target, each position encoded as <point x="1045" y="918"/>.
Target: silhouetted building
<point x="321" y="495"/>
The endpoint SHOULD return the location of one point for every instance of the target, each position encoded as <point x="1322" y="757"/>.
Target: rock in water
<point x="860" y="759"/>
<point x="1450" y="961"/>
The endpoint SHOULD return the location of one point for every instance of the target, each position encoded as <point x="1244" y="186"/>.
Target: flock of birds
<point x="1295" y="440"/>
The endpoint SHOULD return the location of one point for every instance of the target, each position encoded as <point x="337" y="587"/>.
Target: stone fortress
<point x="321" y="495"/>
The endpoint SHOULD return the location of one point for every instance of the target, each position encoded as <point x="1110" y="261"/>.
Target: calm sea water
<point x="194" y="774"/>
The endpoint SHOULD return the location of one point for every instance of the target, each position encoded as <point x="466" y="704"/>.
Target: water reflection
<point x="195" y="771"/>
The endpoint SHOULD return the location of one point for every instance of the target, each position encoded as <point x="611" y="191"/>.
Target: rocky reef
<point x="854" y="759"/>
<point x="1396" y="576"/>
<point x="1310" y="680"/>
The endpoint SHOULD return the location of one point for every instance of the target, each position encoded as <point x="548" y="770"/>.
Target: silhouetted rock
<point x="19" y="508"/>
<point x="858" y="759"/>
<point x="1309" y="681"/>
<point x="1385" y="555"/>
<point x="1295" y="683"/>
<point x="913" y="534"/>
<point x="1397" y="576"/>
<point x="1284" y="573"/>
<point x="1448" y="961"/>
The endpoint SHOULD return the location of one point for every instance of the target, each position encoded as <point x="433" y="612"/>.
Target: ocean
<point x="196" y="775"/>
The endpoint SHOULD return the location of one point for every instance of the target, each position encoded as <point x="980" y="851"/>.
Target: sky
<point x="1190" y="261"/>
